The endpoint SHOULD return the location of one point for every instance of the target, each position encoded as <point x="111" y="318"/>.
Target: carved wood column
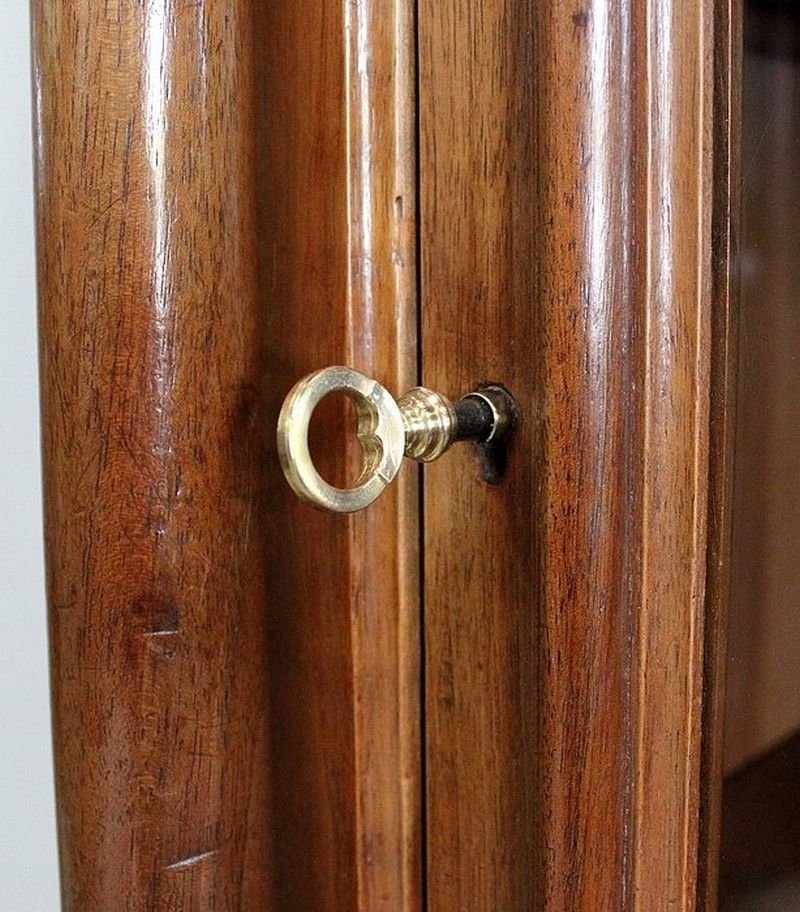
<point x="154" y="452"/>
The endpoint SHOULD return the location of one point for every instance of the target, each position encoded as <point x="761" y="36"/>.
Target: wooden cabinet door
<point x="576" y="180"/>
<point x="470" y="696"/>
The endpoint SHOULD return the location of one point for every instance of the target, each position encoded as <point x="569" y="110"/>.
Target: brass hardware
<point x="429" y="422"/>
<point x="421" y="425"/>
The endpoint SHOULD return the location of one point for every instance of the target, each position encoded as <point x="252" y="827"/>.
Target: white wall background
<point x="28" y="865"/>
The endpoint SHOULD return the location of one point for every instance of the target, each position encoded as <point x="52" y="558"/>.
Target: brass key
<point x="421" y="425"/>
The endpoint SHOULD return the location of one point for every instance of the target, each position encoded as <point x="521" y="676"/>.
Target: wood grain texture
<point x="153" y="431"/>
<point x="337" y="260"/>
<point x="226" y="201"/>
<point x="677" y="335"/>
<point x="567" y="204"/>
<point x="725" y="239"/>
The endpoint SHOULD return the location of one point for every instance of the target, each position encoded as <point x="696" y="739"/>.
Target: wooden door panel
<point x="226" y="200"/>
<point x="337" y="267"/>
<point x="575" y="246"/>
<point x="229" y="199"/>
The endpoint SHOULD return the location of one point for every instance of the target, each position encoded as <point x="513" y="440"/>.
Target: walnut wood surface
<point x="226" y="201"/>
<point x="153" y="425"/>
<point x="568" y="197"/>
<point x="337" y="268"/>
<point x="725" y="239"/>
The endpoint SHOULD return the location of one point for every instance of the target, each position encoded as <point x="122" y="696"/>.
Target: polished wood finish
<point x="570" y="212"/>
<point x="478" y="192"/>
<point x="153" y="434"/>
<point x="337" y="270"/>
<point x="226" y="200"/>
<point x="725" y="251"/>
